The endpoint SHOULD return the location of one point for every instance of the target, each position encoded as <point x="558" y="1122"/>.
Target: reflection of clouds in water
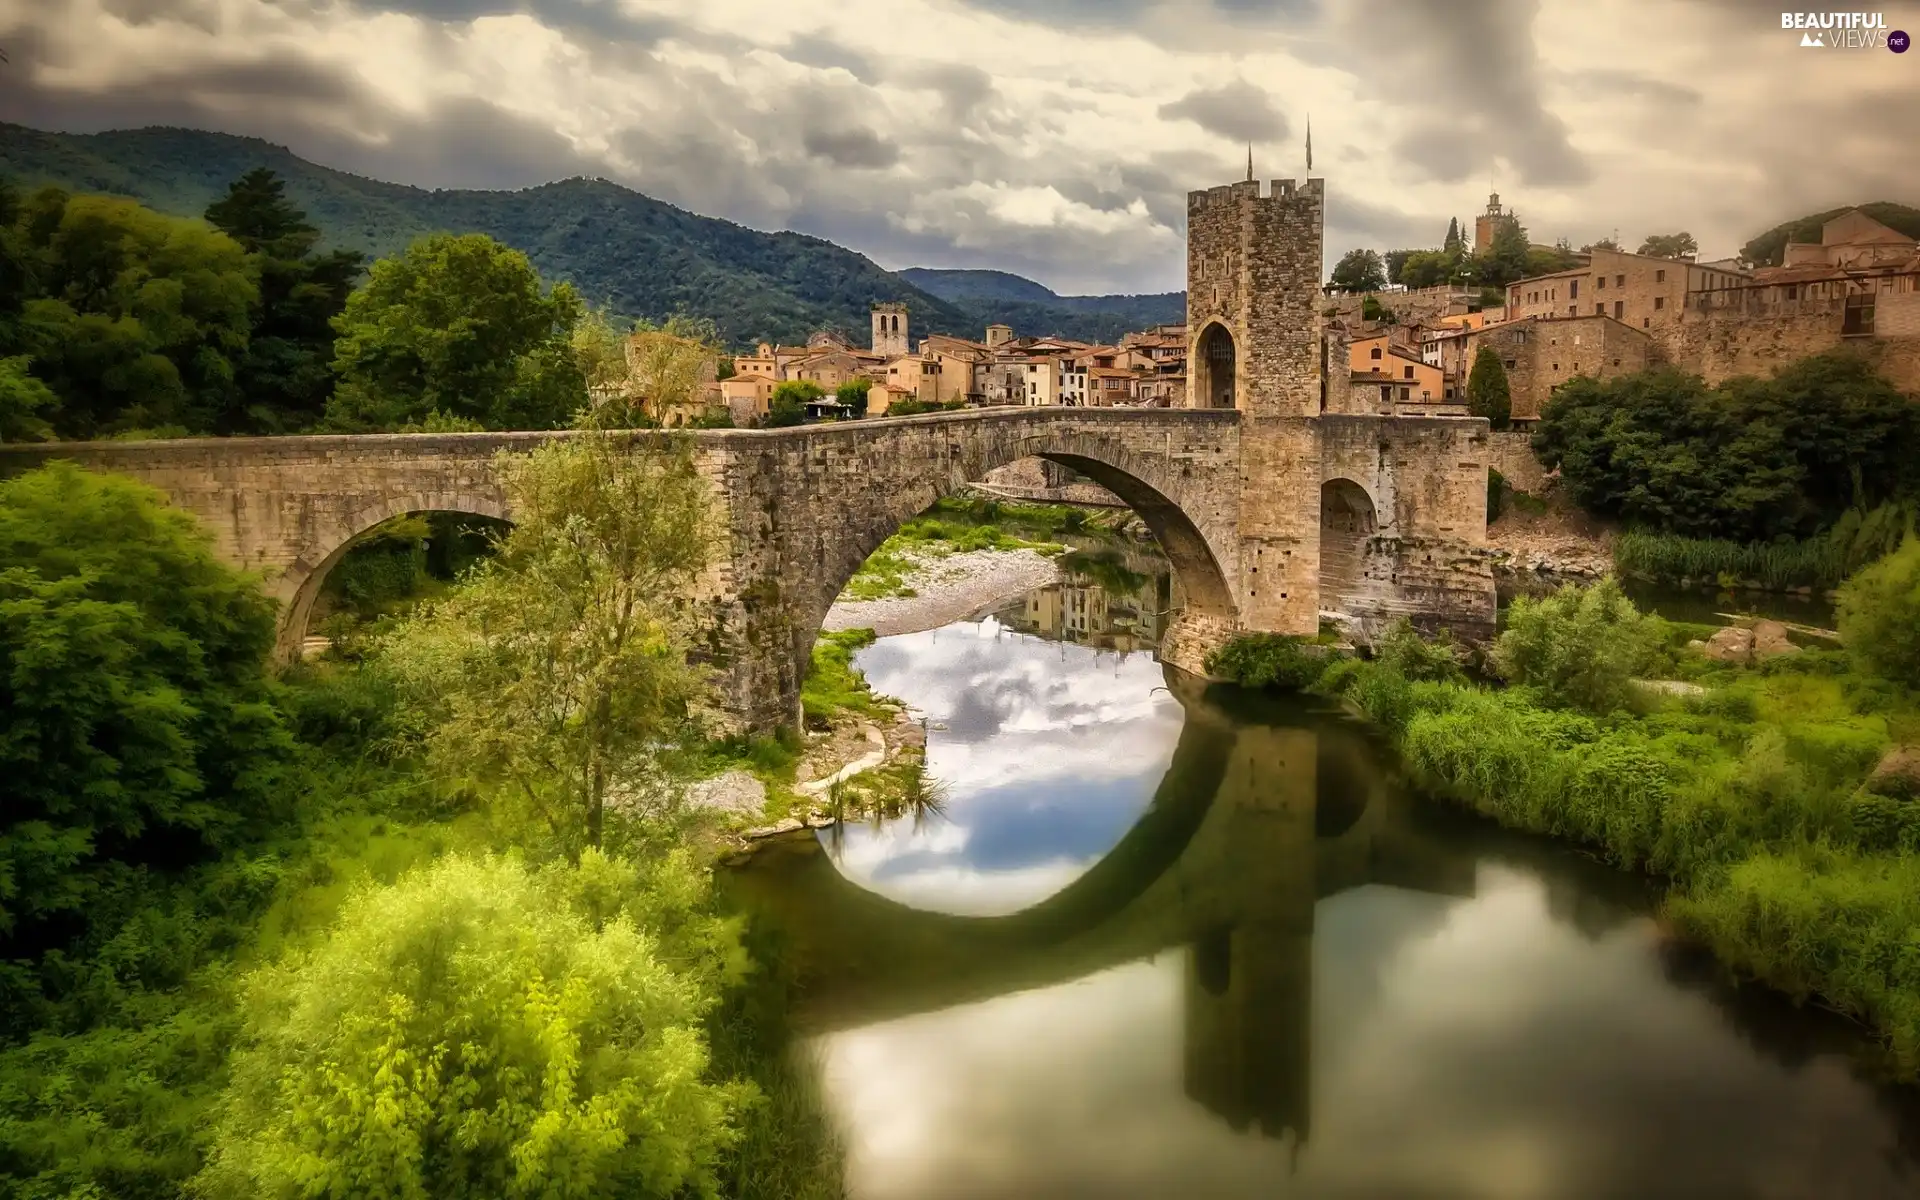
<point x="1049" y="754"/>
<point x="1474" y="1047"/>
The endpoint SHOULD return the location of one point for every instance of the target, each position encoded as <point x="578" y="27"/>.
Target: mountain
<point x="627" y="251"/>
<point x="632" y="253"/>
<point x="1767" y="249"/>
<point x="1035" y="308"/>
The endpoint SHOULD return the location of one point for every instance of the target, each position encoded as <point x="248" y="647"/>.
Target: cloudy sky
<point x="1055" y="138"/>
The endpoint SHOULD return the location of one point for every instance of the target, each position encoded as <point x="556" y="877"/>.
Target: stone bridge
<point x="1268" y="521"/>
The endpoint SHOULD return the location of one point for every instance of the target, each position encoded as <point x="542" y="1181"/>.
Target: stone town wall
<point x="1718" y="344"/>
<point x="1510" y="452"/>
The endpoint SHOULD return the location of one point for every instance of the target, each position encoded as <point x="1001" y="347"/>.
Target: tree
<point x="1605" y="243"/>
<point x="1359" y="271"/>
<point x="1430" y="268"/>
<point x="22" y="399"/>
<point x="1505" y="259"/>
<point x="1545" y="260"/>
<point x="461" y="325"/>
<point x="1579" y="648"/>
<point x="139" y="731"/>
<point x="482" y="1030"/>
<point x="136" y="321"/>
<point x="853" y="394"/>
<point x="554" y="674"/>
<point x="1454" y="243"/>
<point x="1879" y="616"/>
<point x="636" y="379"/>
<point x="787" y="406"/>
<point x="1748" y="460"/>
<point x="1395" y="261"/>
<point x="1670" y="245"/>
<point x="1487" y="391"/>
<point x="286" y="375"/>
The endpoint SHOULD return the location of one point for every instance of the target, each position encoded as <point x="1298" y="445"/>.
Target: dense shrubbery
<point x="1749" y="796"/>
<point x="162" y="825"/>
<point x="1880" y="617"/>
<point x="1747" y="460"/>
<point x="1579" y="647"/>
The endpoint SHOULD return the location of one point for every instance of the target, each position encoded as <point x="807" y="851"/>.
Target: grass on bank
<point x="1753" y="797"/>
<point x="1821" y="562"/>
<point x="956" y="525"/>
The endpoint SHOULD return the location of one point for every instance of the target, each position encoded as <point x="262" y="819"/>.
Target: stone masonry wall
<point x="1510" y="452"/>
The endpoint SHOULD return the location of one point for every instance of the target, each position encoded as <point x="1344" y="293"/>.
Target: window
<point x="1600" y="310"/>
<point x="1404" y="392"/>
<point x="1789" y="292"/>
<point x="1376" y="352"/>
<point x="1573" y="310"/>
<point x="1556" y="366"/>
<point x="1386" y="394"/>
<point x="1573" y="289"/>
<point x="1619" y="281"/>
<point x="1659" y="302"/>
<point x="1616" y="362"/>
<point x="1646" y="322"/>
<point x="1408" y="374"/>
<point x="1511" y="364"/>
<point x="1858" y="318"/>
<point x="1660" y="276"/>
<point x="1619" y="309"/>
<point x="1601" y="282"/>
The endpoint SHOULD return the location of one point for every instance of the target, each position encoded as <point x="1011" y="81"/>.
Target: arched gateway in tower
<point x="1365" y="516"/>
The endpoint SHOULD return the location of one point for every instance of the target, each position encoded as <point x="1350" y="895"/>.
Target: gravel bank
<point x="950" y="589"/>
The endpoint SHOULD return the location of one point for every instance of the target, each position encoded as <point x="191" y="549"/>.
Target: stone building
<point x="891" y="332"/>
<point x="1540" y="354"/>
<point x="1411" y="377"/>
<point x="1488" y="223"/>
<point x="1639" y="289"/>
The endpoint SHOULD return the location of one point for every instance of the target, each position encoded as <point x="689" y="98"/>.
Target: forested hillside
<point x="633" y="254"/>
<point x="1033" y="308"/>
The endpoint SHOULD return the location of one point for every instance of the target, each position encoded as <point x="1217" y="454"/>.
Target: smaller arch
<point x="1215" y="368"/>
<point x="1348" y="519"/>
<point x="299" y="585"/>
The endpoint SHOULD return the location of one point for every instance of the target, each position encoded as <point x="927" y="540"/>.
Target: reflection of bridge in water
<point x="1255" y="821"/>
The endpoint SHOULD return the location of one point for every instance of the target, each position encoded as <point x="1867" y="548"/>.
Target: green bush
<point x="479" y="1029"/>
<point x="1402" y="649"/>
<point x="1879" y="614"/>
<point x="1579" y="647"/>
<point x="1269" y="660"/>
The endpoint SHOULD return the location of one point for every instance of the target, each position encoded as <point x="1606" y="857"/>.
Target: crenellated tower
<point x="1253" y="297"/>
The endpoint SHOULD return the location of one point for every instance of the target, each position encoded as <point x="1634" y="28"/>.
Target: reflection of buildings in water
<point x="1100" y="615"/>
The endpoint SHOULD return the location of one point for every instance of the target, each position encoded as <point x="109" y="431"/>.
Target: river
<point x="1173" y="941"/>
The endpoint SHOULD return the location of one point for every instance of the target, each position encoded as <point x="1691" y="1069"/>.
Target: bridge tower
<point x="1255" y="344"/>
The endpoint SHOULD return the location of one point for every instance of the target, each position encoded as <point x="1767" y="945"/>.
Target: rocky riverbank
<point x="946" y="589"/>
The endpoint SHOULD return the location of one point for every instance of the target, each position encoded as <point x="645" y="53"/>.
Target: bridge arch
<point x="1215" y="369"/>
<point x="298" y="587"/>
<point x="1348" y="518"/>
<point x="1149" y="483"/>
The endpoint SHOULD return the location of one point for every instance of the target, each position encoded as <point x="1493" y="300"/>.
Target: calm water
<point x="1175" y="942"/>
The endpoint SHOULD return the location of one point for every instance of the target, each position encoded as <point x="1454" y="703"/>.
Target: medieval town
<point x="1409" y="350"/>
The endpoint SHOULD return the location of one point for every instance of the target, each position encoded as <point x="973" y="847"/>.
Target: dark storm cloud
<point x="1474" y="66"/>
<point x="596" y="18"/>
<point x="964" y="88"/>
<point x="857" y="148"/>
<point x="201" y="14"/>
<point x="818" y="51"/>
<point x="1238" y="111"/>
